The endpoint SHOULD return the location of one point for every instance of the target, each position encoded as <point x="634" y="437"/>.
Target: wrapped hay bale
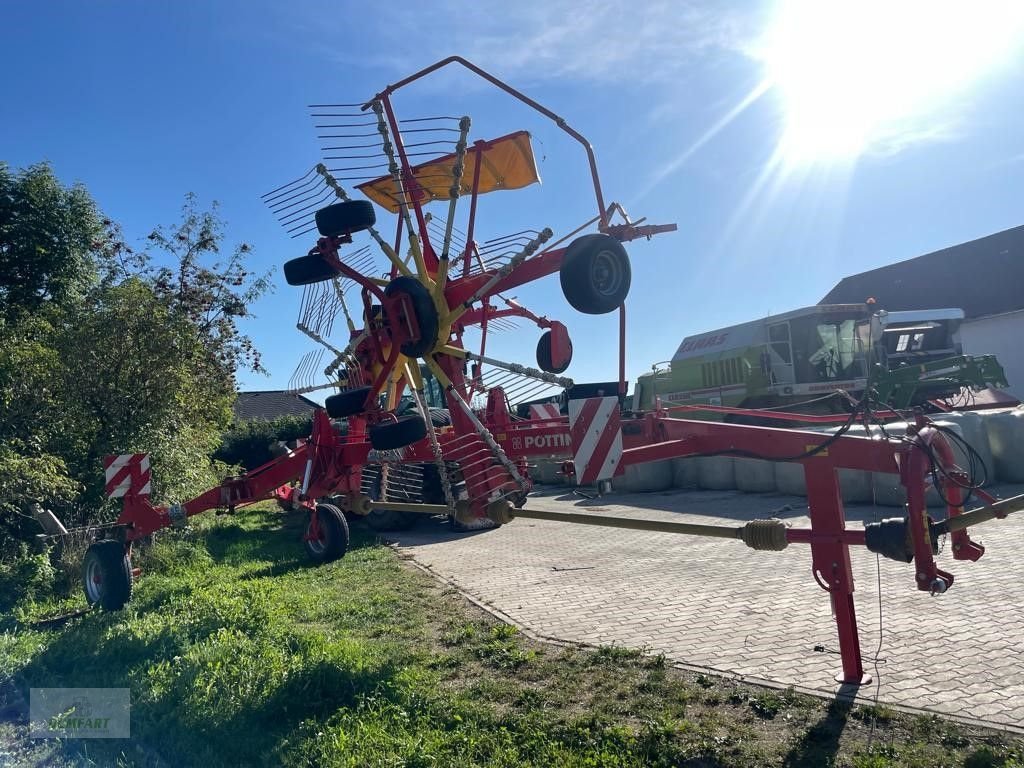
<point x="789" y="478"/>
<point x="1006" y="437"/>
<point x="716" y="473"/>
<point x="887" y="488"/>
<point x="975" y="432"/>
<point x="644" y="478"/>
<point x="685" y="473"/>
<point x="755" y="475"/>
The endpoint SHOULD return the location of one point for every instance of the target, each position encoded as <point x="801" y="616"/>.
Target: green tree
<point x="135" y="376"/>
<point x="54" y="244"/>
<point x="104" y="350"/>
<point x="210" y="290"/>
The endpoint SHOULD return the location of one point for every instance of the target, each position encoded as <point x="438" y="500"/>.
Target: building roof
<point x="982" y="277"/>
<point x="269" y="404"/>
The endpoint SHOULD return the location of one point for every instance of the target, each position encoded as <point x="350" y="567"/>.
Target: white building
<point x="984" y="278"/>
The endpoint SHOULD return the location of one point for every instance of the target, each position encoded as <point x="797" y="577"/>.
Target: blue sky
<point x="791" y="146"/>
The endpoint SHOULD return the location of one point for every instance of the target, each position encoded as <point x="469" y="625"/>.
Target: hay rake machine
<point x="419" y="424"/>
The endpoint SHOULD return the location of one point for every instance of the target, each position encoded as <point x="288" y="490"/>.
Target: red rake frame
<point x="329" y="463"/>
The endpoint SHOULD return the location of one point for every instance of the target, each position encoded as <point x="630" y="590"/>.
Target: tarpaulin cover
<point x="506" y="163"/>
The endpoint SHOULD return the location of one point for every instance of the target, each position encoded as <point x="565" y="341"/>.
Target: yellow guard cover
<point x="507" y="163"/>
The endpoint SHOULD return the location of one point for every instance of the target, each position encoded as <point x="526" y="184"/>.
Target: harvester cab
<point x="802" y="357"/>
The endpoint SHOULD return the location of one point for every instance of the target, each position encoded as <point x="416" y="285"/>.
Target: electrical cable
<point x="820" y="448"/>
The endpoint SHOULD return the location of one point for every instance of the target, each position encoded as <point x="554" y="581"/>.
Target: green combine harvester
<point x="796" y="360"/>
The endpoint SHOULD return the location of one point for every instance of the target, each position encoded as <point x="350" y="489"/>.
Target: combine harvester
<point x="413" y="312"/>
<point x="800" y="360"/>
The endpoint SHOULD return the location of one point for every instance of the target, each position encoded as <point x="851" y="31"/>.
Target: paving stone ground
<point x="718" y="605"/>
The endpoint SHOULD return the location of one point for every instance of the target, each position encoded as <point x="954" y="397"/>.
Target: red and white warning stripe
<point x="596" y="438"/>
<point x="544" y="411"/>
<point x="128" y="473"/>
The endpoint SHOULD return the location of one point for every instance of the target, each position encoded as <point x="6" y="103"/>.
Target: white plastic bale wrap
<point x="855" y="484"/>
<point x="975" y="432"/>
<point x="789" y="475"/>
<point x="685" y="473"/>
<point x="888" y="490"/>
<point x="789" y="478"/>
<point x="1006" y="437"/>
<point x="716" y="473"/>
<point x="644" y="478"/>
<point x="755" y="475"/>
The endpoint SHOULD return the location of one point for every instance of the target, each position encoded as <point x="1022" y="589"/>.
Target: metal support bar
<point x="832" y="566"/>
<point x="559" y="121"/>
<point x="453" y="197"/>
<point x="405" y="506"/>
<point x="528" y="250"/>
<point x="981" y="515"/>
<point x="607" y="521"/>
<point x="401" y="191"/>
<point x="764" y="535"/>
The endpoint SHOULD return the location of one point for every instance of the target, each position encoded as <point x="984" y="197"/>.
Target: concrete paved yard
<point x="759" y="615"/>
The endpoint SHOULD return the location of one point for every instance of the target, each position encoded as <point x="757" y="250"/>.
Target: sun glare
<point x="852" y="75"/>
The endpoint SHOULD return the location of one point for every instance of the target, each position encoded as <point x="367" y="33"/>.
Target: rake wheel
<point x="107" y="575"/>
<point x="595" y="274"/>
<point x="345" y="218"/>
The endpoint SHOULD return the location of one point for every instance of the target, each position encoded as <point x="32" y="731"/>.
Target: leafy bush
<point x="25" y="481"/>
<point x="104" y="350"/>
<point x="248" y="443"/>
<point x="24" y="576"/>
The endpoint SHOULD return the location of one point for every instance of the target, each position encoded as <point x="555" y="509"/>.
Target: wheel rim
<point x="93" y="581"/>
<point x="606" y="274"/>
<point x="316" y="545"/>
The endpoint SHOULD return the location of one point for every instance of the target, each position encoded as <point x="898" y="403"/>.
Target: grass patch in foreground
<point x="239" y="653"/>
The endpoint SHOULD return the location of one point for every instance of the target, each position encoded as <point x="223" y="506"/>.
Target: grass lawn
<point x="239" y="653"/>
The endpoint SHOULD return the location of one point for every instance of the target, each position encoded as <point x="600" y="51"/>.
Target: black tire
<point x="332" y="544"/>
<point x="348" y="403"/>
<point x="345" y="218"/>
<point x="107" y="575"/>
<point x="544" y="355"/>
<point x="595" y="274"/>
<point x="439" y="417"/>
<point x="307" y="270"/>
<point x="426" y="314"/>
<point x="389" y="435"/>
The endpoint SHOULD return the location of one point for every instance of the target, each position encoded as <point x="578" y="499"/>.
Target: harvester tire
<point x="389" y="435"/>
<point x="332" y="543"/>
<point x="107" y="575"/>
<point x="595" y="274"/>
<point x="345" y="218"/>
<point x="544" y="361"/>
<point x="425" y="311"/>
<point x="348" y="403"/>
<point x="307" y="270"/>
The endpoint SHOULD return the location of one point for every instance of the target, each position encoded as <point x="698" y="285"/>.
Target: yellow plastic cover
<point x="506" y="163"/>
